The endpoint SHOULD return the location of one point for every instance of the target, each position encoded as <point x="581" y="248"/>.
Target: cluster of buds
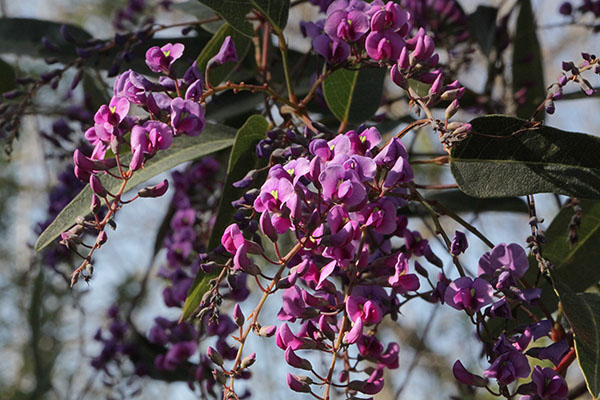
<point x="573" y="72"/>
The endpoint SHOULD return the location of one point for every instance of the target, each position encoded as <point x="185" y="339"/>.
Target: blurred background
<point x="47" y="329"/>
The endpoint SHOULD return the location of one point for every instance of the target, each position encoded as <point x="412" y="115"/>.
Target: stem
<point x="286" y="68"/>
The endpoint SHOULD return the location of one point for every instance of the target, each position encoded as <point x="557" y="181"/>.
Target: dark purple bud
<point x="247" y="180"/>
<point x="138" y="159"/>
<point x="238" y="315"/>
<point x="567" y="65"/>
<point x="214" y="356"/>
<point x="76" y="79"/>
<point x="155" y="191"/>
<point x="549" y="106"/>
<point x="114" y="70"/>
<point x="82" y="161"/>
<point x="12" y="94"/>
<point x="83" y="53"/>
<point x="219" y="376"/>
<point x="266" y="226"/>
<point x="463" y="376"/>
<point x="586" y="87"/>
<point x="64" y="32"/>
<point x="459" y="243"/>
<point x="48" y="44"/>
<point x="566" y="8"/>
<point x="97" y="187"/>
<point x="452" y="109"/>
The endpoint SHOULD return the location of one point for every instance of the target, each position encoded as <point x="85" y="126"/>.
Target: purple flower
<point x="340" y="184"/>
<point x="107" y="119"/>
<point x="362" y="308"/>
<point x="391" y="16"/>
<point x="347" y="26"/>
<point x="510" y="365"/>
<point x="385" y="45"/>
<point x="463" y="376"/>
<point x="151" y="136"/>
<point x="187" y="117"/>
<point x="227" y="53"/>
<point x="160" y="59"/>
<point x="179" y="353"/>
<point x="504" y="264"/>
<point x="549" y="385"/>
<point x="401" y="280"/>
<point x="391" y="153"/>
<point x="459" y="243"/>
<point x="334" y="51"/>
<point x="469" y="295"/>
<point x="401" y="172"/>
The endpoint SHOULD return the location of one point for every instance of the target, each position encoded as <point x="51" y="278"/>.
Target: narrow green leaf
<point x="184" y="148"/>
<point x="527" y="66"/>
<point x="482" y="25"/>
<point x="582" y="310"/>
<point x="242" y="159"/>
<point x="354" y="95"/>
<point x="234" y="12"/>
<point x="220" y="73"/>
<point x="504" y="158"/>
<point x="276" y="11"/>
<point x="7" y="77"/>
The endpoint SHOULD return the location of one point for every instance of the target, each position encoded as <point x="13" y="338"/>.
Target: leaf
<point x="7" y="77"/>
<point x="482" y="25"/>
<point x="201" y="12"/>
<point x="527" y="67"/>
<point x="95" y="89"/>
<point x="459" y="202"/>
<point x="276" y="11"/>
<point x="184" y="148"/>
<point x="234" y="12"/>
<point x="502" y="158"/>
<point x="221" y="72"/>
<point x="242" y="159"/>
<point x="582" y="310"/>
<point x="23" y="36"/>
<point x="354" y="95"/>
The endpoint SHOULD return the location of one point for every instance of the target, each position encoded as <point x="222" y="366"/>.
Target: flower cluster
<point x="585" y="8"/>
<point x="340" y="199"/>
<point x="498" y="287"/>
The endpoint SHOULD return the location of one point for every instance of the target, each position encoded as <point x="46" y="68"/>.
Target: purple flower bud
<point x="297" y="362"/>
<point x="267" y="331"/>
<point x="566" y="8"/>
<point x="95" y="206"/>
<point x="437" y="85"/>
<point x="97" y="187"/>
<point x="267" y="228"/>
<point x="296" y="384"/>
<point x="102" y="238"/>
<point x="397" y="77"/>
<point x="463" y="376"/>
<point x="155" y="191"/>
<point x="459" y="243"/>
<point x="214" y="356"/>
<point x="227" y="53"/>
<point x="238" y="315"/>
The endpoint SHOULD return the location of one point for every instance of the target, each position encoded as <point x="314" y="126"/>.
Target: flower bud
<point x="248" y="361"/>
<point x="297" y="362"/>
<point x="214" y="356"/>
<point x="155" y="191"/>
<point x="266" y="226"/>
<point x="137" y="160"/>
<point x="219" y="376"/>
<point x="296" y="384"/>
<point x="102" y="238"/>
<point x="238" y="315"/>
<point x="452" y="109"/>
<point x="97" y="187"/>
<point x="267" y="331"/>
<point x="464" y="376"/>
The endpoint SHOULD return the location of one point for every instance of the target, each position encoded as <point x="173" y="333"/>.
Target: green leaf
<point x="201" y="12"/>
<point x="234" y="12"/>
<point x="184" y="148"/>
<point x="354" y="95"/>
<point x="220" y="73"/>
<point x="504" y="158"/>
<point x="527" y="67"/>
<point x="482" y="25"/>
<point x="582" y="310"/>
<point x="23" y="36"/>
<point x="7" y="77"/>
<point x="276" y="11"/>
<point x="95" y="89"/>
<point x="459" y="202"/>
<point x="242" y="159"/>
